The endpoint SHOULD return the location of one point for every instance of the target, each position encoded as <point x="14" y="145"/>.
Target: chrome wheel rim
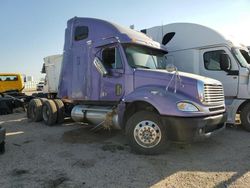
<point x="147" y="134"/>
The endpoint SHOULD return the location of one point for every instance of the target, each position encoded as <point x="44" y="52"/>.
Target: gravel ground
<point x="71" y="155"/>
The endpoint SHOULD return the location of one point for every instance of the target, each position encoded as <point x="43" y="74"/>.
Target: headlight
<point x="187" y="107"/>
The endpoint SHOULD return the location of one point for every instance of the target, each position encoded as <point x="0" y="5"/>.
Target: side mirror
<point x="170" y="67"/>
<point x="100" y="67"/>
<point x="225" y="62"/>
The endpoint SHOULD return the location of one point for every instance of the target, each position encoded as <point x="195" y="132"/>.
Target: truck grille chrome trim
<point x="213" y="109"/>
<point x="213" y="94"/>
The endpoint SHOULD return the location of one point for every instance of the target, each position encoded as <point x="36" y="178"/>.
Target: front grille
<point x="213" y="94"/>
<point x="216" y="108"/>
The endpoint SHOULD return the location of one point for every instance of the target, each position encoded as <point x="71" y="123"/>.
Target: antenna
<point x="162" y="29"/>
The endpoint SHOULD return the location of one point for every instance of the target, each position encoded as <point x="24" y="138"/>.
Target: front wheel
<point x="146" y="133"/>
<point x="245" y="117"/>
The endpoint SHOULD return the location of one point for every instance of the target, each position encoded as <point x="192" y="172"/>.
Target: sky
<point x="33" y="29"/>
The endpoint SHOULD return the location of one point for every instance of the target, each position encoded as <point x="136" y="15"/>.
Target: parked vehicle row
<point x="110" y="76"/>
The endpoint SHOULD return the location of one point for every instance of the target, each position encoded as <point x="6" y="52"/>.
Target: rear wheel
<point x="245" y="117"/>
<point x="60" y="111"/>
<point x="34" y="111"/>
<point x="43" y="100"/>
<point x="146" y="133"/>
<point x="49" y="112"/>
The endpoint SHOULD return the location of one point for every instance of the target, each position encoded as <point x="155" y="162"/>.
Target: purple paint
<point x="81" y="81"/>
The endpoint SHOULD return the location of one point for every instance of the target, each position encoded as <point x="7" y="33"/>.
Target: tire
<point x="43" y="100"/>
<point x="49" y="112"/>
<point x="5" y="108"/>
<point x="60" y="111"/>
<point x="245" y="117"/>
<point x="2" y="147"/>
<point x="28" y="112"/>
<point x="34" y="111"/>
<point x="148" y="124"/>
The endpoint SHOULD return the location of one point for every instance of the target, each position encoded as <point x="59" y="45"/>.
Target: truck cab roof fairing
<point x="193" y="36"/>
<point x="101" y="30"/>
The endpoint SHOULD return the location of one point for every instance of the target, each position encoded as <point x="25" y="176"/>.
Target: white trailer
<point x="52" y="68"/>
<point x="201" y="50"/>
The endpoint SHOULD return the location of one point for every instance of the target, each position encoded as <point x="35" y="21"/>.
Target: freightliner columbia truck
<point x="201" y="50"/>
<point x="115" y="77"/>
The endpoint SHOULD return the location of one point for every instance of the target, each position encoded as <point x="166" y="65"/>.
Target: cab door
<point x="210" y="66"/>
<point x="112" y="85"/>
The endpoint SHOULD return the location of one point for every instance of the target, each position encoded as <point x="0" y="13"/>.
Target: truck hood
<point x="187" y="84"/>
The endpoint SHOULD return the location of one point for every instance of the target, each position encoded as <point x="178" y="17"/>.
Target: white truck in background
<point x="52" y="67"/>
<point x="201" y="50"/>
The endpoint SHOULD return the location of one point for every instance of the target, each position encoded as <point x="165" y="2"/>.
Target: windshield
<point x="240" y="57"/>
<point x="144" y="57"/>
<point x="246" y="55"/>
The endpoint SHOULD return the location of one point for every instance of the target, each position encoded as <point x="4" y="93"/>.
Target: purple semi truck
<point x="115" y="77"/>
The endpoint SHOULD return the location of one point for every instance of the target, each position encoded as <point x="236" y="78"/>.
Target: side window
<point x="168" y="37"/>
<point x="111" y="58"/>
<point x="8" y="78"/>
<point x="246" y="55"/>
<point x="81" y="33"/>
<point x="212" y="59"/>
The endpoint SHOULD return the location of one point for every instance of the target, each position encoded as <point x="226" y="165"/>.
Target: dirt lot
<point x="72" y="156"/>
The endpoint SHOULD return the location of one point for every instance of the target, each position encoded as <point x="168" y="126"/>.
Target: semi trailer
<point x="52" y="68"/>
<point x="115" y="77"/>
<point x="201" y="50"/>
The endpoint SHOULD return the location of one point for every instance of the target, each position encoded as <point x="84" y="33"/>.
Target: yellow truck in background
<point x="11" y="96"/>
<point x="11" y="82"/>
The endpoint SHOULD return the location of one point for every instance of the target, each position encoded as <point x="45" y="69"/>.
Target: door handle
<point x="118" y="89"/>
